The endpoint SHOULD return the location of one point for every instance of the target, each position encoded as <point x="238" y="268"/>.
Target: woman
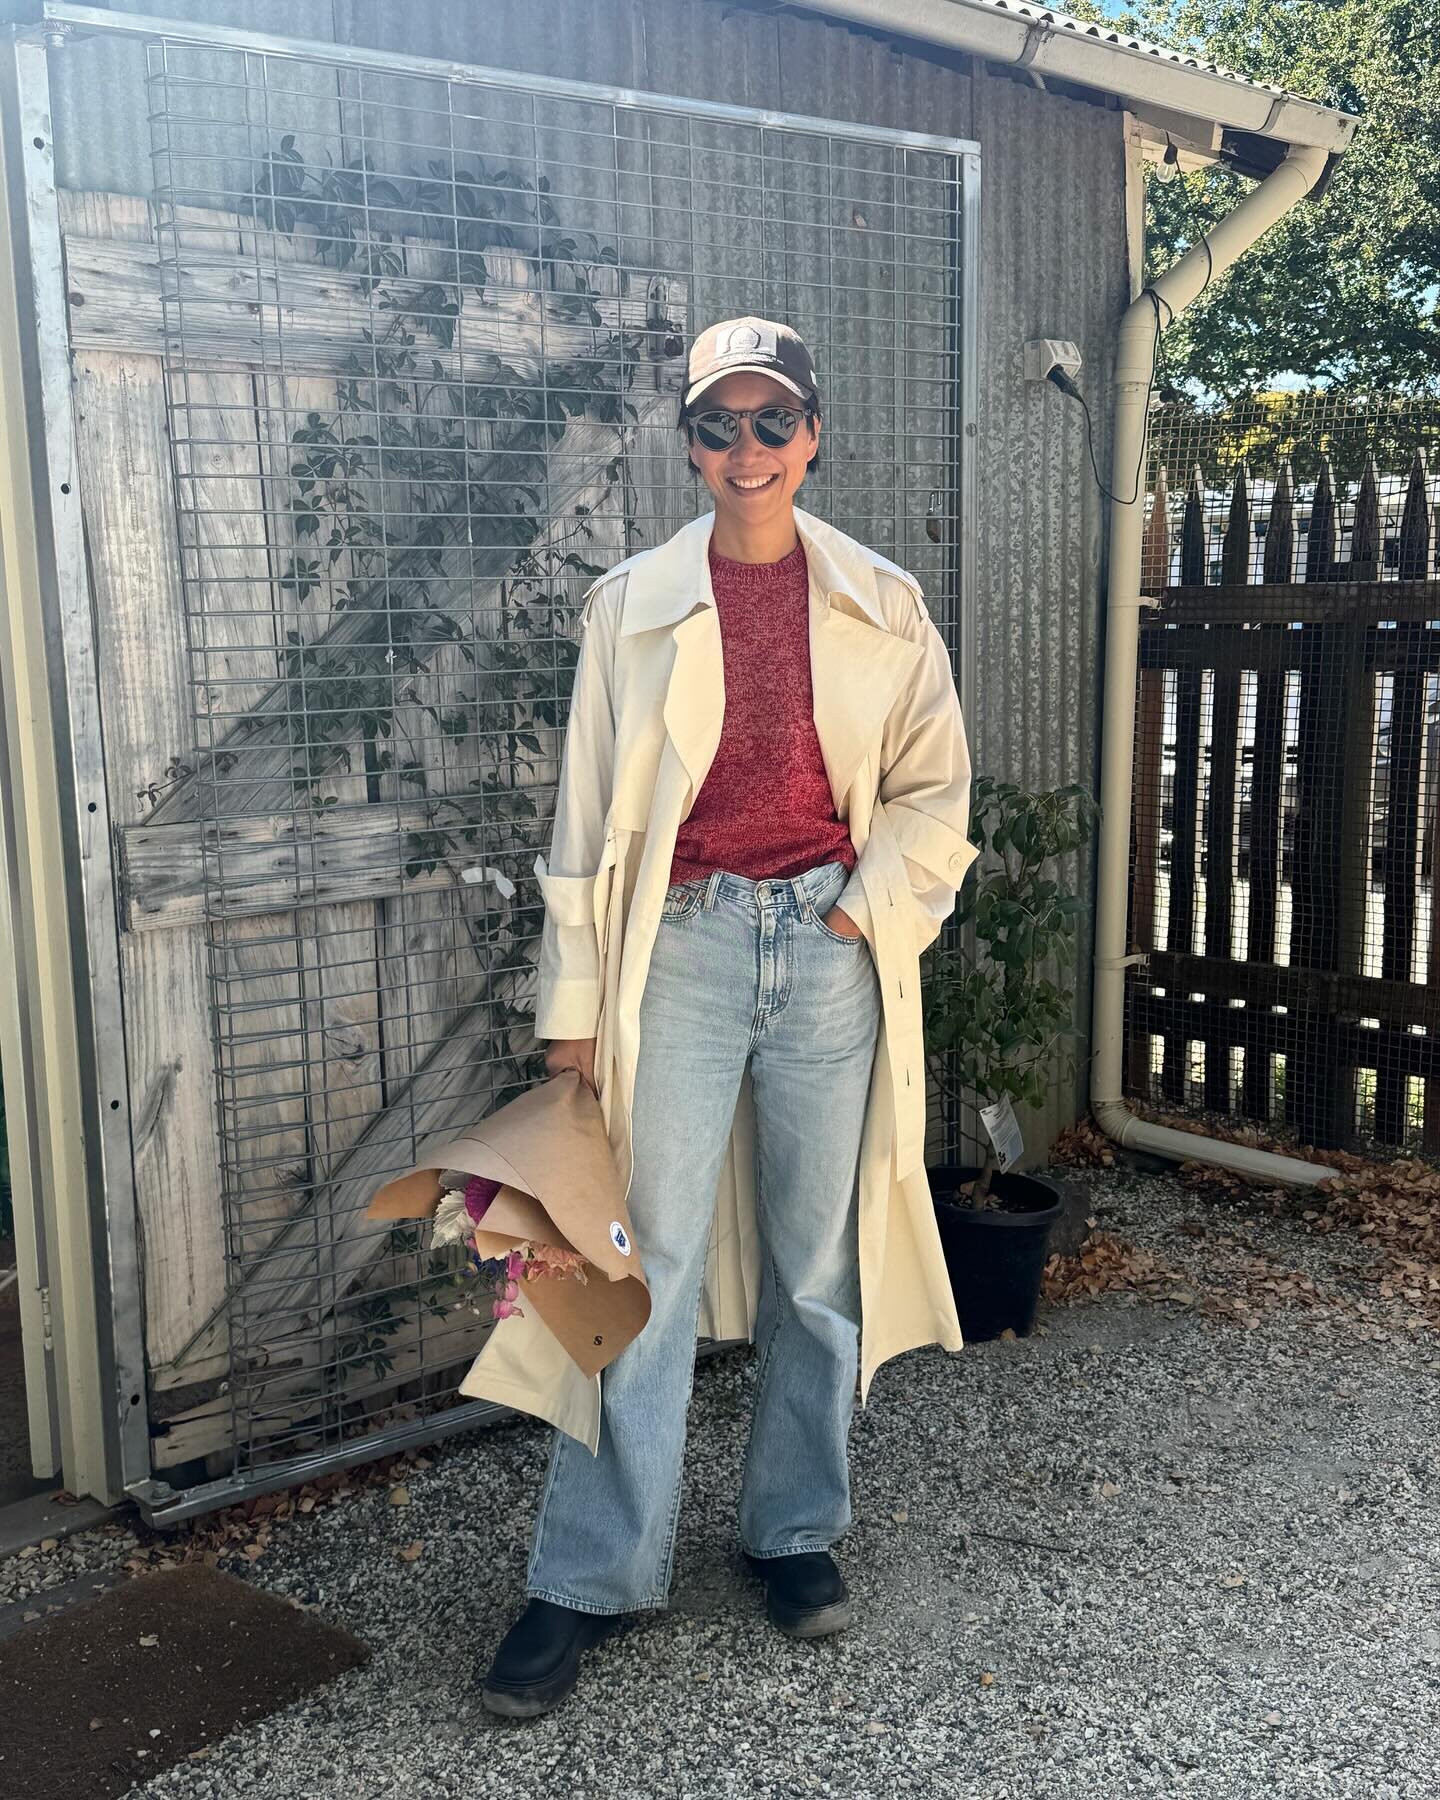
<point x="761" y="823"/>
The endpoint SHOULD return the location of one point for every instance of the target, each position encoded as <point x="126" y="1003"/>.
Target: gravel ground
<point x="1148" y="1550"/>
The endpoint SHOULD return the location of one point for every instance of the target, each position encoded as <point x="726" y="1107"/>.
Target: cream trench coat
<point x="645" y="722"/>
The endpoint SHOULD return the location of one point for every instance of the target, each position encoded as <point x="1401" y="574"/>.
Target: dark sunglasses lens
<point x="716" y="430"/>
<point x="776" y="425"/>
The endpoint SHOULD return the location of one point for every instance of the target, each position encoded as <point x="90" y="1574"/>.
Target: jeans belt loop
<point x="712" y="889"/>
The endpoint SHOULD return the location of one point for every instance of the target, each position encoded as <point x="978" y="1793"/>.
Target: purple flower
<point x="478" y="1194"/>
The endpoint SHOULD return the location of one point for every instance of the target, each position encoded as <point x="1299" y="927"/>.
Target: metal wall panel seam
<point x="87" y="1100"/>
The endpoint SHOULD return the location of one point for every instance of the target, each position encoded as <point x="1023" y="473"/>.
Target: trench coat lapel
<point x="857" y="666"/>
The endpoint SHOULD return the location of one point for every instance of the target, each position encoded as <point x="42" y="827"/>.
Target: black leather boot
<point x="538" y="1661"/>
<point x="805" y="1594"/>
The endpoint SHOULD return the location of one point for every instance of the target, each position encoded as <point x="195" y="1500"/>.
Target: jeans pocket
<point x="682" y="902"/>
<point x="835" y="937"/>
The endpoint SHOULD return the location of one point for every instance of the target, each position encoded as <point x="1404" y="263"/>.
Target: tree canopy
<point x="1342" y="291"/>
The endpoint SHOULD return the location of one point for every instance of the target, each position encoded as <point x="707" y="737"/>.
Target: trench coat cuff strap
<point x="569" y="1008"/>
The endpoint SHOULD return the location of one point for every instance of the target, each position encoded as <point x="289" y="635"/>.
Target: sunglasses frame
<point x="802" y="412"/>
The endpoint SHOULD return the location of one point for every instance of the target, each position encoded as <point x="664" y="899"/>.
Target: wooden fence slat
<point x="1185" y="799"/>
<point x="1267" y="769"/>
<point x="1400" y="857"/>
<point x="1221" y="784"/>
<point x="1285" y="603"/>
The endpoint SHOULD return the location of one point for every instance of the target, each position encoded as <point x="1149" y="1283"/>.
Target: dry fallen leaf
<point x="1109" y="1489"/>
<point x="400" y="1496"/>
<point x="149" y="1641"/>
<point x="409" y="1552"/>
<point x="987" y="1679"/>
<point x="1233" y="1580"/>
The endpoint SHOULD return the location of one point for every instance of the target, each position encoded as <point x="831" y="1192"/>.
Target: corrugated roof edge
<point x="1044" y="42"/>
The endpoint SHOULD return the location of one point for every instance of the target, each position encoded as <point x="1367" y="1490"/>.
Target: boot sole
<point x="800" y="1622"/>
<point x="530" y="1699"/>
<point x="816" y="1622"/>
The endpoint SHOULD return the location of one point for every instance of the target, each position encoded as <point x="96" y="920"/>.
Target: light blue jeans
<point x="743" y="973"/>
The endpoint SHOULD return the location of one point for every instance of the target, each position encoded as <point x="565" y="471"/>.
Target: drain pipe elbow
<point x="1151" y="312"/>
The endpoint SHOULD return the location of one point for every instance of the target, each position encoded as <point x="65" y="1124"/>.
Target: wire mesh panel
<point x="422" y="336"/>
<point x="1286" y="774"/>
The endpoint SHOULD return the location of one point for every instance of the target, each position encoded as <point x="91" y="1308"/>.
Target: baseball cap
<point x="756" y="345"/>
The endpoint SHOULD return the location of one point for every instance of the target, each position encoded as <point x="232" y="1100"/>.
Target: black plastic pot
<point x="995" y="1256"/>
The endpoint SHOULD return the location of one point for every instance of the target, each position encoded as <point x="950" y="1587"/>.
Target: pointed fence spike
<point x="1365" y="539"/>
<point x="1320" y="544"/>
<point x="1414" y="545"/>
<point x="1280" y="532"/>
<point x="1236" y="554"/>
<point x="1194" y="548"/>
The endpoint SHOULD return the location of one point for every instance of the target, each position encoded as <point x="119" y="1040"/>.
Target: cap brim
<point x="744" y="368"/>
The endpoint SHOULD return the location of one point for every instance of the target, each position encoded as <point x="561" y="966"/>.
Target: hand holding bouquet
<point x="457" y="1219"/>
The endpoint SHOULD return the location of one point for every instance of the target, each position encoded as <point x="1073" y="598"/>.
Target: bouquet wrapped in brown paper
<point x="534" y="1193"/>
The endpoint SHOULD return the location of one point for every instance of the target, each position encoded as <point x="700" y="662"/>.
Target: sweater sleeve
<point x="568" y="1000"/>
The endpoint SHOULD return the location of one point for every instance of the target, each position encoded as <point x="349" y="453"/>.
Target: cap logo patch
<point x="746" y="337"/>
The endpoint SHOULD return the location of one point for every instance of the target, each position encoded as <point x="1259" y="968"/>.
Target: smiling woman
<point x="760" y="823"/>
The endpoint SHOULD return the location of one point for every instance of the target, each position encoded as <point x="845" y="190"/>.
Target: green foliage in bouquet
<point x="999" y="987"/>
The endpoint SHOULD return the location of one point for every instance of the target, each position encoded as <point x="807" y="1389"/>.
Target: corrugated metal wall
<point x="1053" y="252"/>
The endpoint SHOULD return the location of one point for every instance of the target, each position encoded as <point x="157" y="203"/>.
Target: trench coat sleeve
<point x="924" y="785"/>
<point x="568" y="999"/>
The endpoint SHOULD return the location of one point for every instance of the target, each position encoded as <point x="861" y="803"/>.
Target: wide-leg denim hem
<point x="653" y="1604"/>
<point x="788" y="1550"/>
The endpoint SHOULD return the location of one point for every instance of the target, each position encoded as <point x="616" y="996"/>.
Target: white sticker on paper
<point x="1004" y="1132"/>
<point x="619" y="1238"/>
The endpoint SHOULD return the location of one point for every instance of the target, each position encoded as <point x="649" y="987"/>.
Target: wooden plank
<point x="1398" y="1003"/>
<point x="1286" y="602"/>
<point x="309" y="1401"/>
<point x="262" y="864"/>
<point x="126" y="495"/>
<point x="238" y="309"/>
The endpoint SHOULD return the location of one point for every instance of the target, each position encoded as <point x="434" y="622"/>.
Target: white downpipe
<point x="1176" y="289"/>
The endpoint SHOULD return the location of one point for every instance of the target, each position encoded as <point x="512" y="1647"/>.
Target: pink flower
<point x="515" y="1265"/>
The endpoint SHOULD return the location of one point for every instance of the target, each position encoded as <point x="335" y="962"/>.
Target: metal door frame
<point x="102" y="1246"/>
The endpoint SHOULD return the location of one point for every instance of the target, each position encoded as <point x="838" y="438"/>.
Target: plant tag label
<point x="1004" y="1132"/>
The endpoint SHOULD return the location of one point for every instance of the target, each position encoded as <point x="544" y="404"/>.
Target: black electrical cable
<point x="1067" y="385"/>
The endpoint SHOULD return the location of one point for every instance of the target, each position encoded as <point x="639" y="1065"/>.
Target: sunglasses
<point x="773" y="426"/>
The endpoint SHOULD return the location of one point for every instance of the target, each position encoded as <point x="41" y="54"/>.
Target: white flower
<point x="452" y="1224"/>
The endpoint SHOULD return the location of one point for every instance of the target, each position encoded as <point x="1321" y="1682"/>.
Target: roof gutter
<point x="1176" y="289"/>
<point x="1044" y="44"/>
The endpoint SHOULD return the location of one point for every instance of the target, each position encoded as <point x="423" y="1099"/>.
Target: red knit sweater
<point x="765" y="807"/>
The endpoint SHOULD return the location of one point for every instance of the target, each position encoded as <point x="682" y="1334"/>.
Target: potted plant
<point x="999" y="1003"/>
